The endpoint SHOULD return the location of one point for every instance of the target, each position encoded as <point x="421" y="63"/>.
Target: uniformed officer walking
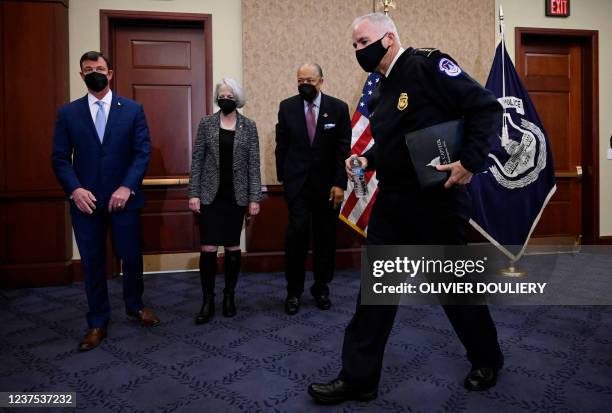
<point x="419" y="88"/>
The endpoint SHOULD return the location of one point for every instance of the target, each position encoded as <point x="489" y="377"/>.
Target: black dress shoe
<point x="292" y="305"/>
<point x="338" y="391"/>
<point x="481" y="379"/>
<point x="323" y="301"/>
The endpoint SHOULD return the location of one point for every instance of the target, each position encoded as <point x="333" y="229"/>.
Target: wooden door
<point x="551" y="68"/>
<point x="165" y="66"/>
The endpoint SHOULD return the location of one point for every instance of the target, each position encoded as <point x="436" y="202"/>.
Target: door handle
<point x="566" y="174"/>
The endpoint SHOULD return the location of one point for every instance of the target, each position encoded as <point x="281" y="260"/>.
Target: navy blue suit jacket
<point x="80" y="160"/>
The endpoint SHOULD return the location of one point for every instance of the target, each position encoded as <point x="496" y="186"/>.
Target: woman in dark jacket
<point x="224" y="181"/>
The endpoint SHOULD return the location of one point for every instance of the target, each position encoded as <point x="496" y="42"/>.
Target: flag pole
<point x="505" y="138"/>
<point x="511" y="270"/>
<point x="502" y="29"/>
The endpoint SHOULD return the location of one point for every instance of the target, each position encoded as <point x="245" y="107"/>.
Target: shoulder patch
<point x="425" y="51"/>
<point x="450" y="68"/>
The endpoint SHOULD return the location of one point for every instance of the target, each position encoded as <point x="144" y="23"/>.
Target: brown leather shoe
<point x="92" y="339"/>
<point x="146" y="316"/>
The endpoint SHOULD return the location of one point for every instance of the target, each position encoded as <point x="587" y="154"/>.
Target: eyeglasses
<point x="100" y="69"/>
<point x="309" y="80"/>
<point x="231" y="97"/>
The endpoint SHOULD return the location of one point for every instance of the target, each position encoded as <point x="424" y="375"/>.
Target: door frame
<point x="589" y="40"/>
<point x="108" y="18"/>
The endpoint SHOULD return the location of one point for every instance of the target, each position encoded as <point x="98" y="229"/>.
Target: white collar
<point x="399" y="53"/>
<point x="107" y="99"/>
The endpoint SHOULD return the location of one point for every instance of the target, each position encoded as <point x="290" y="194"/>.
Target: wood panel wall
<point x="265" y="237"/>
<point x="35" y="234"/>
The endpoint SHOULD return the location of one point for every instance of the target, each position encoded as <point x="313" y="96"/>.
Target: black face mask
<point x="370" y="56"/>
<point x="308" y="92"/>
<point x="227" y="105"/>
<point x="96" y="81"/>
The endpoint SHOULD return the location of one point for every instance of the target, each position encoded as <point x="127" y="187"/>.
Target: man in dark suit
<point x="101" y="149"/>
<point x="313" y="136"/>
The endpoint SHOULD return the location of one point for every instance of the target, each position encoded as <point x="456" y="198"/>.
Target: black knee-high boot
<point x="232" y="269"/>
<point x="208" y="269"/>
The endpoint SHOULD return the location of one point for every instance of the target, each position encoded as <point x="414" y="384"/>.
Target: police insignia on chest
<point x="402" y="102"/>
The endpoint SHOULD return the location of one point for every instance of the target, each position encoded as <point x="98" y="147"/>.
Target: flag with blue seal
<point x="519" y="180"/>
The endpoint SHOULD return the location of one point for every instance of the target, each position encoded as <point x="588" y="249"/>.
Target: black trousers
<point x="433" y="217"/>
<point x="310" y="208"/>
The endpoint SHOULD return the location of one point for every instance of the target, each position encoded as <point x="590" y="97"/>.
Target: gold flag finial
<point x="386" y="4"/>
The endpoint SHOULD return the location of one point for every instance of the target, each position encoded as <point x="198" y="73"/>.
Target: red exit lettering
<point x="558" y="7"/>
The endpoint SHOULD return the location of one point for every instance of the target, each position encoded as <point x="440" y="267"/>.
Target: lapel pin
<point x="325" y="115"/>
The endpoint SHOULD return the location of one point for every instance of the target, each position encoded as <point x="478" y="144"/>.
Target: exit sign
<point x="557" y="8"/>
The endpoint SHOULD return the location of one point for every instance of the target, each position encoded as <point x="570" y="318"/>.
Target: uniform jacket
<point x="204" y="176"/>
<point x="426" y="87"/>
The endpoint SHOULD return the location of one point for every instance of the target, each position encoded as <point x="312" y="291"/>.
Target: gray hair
<point x="234" y="87"/>
<point x="381" y="21"/>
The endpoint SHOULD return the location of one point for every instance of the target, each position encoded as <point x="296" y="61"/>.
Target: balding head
<point x="310" y="74"/>
<point x="311" y="65"/>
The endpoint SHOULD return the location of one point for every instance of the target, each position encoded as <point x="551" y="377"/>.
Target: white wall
<point x="84" y="31"/>
<point x="84" y="34"/>
<point x="585" y="15"/>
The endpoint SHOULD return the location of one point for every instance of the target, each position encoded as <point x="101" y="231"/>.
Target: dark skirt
<point x="221" y="222"/>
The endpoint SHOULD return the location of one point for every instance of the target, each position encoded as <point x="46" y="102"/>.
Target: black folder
<point x="436" y="145"/>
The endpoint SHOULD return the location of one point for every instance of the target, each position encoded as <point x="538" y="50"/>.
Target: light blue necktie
<point x="100" y="120"/>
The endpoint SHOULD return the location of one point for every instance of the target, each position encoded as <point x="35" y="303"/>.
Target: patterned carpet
<point x="558" y="359"/>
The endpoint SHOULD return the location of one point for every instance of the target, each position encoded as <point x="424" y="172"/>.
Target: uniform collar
<point x="399" y="53"/>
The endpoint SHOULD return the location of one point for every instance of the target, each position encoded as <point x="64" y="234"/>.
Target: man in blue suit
<point x="101" y="149"/>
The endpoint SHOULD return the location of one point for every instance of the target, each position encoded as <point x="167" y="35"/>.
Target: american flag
<point x="356" y="211"/>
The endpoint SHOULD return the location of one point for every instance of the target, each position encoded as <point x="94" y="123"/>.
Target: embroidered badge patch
<point x="402" y="102"/>
<point x="449" y="67"/>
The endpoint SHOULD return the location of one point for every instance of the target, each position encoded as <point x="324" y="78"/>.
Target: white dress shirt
<point x="315" y="108"/>
<point x="399" y="53"/>
<point x="93" y="106"/>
